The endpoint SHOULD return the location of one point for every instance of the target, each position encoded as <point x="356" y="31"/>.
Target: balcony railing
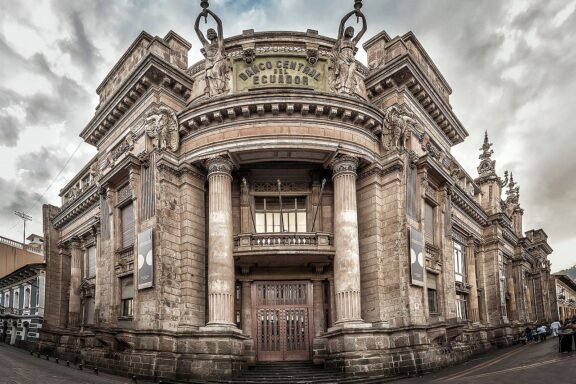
<point x="19" y="311"/>
<point x="283" y="240"/>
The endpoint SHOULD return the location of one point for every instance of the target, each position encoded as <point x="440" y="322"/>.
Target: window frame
<point x="459" y="261"/>
<point x="430" y="236"/>
<point x="126" y="302"/>
<point x="264" y="214"/>
<point x="461" y="306"/>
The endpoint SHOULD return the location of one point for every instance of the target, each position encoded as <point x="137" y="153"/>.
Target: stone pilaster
<point x="247" y="308"/>
<point x="74" y="307"/>
<point x="347" y="257"/>
<point x="221" y="280"/>
<point x="318" y="301"/>
<point x="471" y="279"/>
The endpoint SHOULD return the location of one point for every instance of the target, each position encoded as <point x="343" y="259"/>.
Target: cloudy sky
<point x="511" y="65"/>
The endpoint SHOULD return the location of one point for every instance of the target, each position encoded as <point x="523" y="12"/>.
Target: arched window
<point x="16" y="300"/>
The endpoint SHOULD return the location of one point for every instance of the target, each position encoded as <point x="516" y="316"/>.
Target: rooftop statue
<point x="344" y="78"/>
<point x="216" y="68"/>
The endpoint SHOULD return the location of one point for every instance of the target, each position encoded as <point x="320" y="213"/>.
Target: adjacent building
<point x="565" y="295"/>
<point x="280" y="200"/>
<point x="22" y="304"/>
<point x="14" y="254"/>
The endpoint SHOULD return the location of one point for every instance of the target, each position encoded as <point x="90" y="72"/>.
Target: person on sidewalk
<point x="542" y="332"/>
<point x="555" y="326"/>
<point x="565" y="339"/>
<point x="528" y="332"/>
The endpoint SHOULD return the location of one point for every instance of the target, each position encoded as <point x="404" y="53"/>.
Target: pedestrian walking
<point x="528" y="332"/>
<point x="542" y="332"/>
<point x="555" y="326"/>
<point x="566" y="336"/>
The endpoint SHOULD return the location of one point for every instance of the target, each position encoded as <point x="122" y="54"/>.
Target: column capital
<point x="344" y="164"/>
<point x="219" y="164"/>
<point x="75" y="243"/>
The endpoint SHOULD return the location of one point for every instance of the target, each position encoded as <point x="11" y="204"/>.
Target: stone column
<point x="246" y="312"/>
<point x="471" y="279"/>
<point x="347" y="257"/>
<point x="332" y="302"/>
<point x="75" y="277"/>
<point x="221" y="280"/>
<point x="318" y="301"/>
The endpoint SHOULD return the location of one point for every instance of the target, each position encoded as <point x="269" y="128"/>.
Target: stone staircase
<point x="293" y="372"/>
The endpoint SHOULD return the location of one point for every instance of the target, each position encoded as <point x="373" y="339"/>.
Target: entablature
<point x="151" y="72"/>
<point x="287" y="104"/>
<point x="405" y="75"/>
<point x="85" y="202"/>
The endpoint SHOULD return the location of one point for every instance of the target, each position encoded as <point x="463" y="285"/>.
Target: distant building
<point x="565" y="293"/>
<point x="14" y="254"/>
<point x="22" y="303"/>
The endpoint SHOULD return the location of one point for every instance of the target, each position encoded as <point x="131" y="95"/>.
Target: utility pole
<point x="24" y="218"/>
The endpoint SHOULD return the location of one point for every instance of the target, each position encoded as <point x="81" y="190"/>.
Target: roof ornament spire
<point x="487" y="167"/>
<point x="513" y="193"/>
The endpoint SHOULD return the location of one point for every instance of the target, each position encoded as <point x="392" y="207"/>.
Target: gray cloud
<point x="9" y="130"/>
<point x="512" y="73"/>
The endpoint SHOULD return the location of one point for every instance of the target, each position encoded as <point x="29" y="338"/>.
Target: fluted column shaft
<point x="74" y="305"/>
<point x="347" y="256"/>
<point x="221" y="280"/>
<point x="247" y="308"/>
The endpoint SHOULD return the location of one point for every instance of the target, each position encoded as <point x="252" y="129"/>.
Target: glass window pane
<point x="301" y="221"/>
<point x="290" y="221"/>
<point x="127" y="288"/>
<point x="276" y="227"/>
<point x="260" y="222"/>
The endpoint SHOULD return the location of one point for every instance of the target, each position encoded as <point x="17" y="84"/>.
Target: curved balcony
<point x="284" y="247"/>
<point x="281" y="119"/>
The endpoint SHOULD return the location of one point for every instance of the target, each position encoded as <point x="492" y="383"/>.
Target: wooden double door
<point x="283" y="314"/>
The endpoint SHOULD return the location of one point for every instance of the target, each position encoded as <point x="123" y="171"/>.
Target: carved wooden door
<point x="282" y="312"/>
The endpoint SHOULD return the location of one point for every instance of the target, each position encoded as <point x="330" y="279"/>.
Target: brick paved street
<point x="18" y="367"/>
<point x="532" y="363"/>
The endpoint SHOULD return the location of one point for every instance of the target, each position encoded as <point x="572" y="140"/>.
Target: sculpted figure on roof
<point x="216" y="68"/>
<point x="344" y="77"/>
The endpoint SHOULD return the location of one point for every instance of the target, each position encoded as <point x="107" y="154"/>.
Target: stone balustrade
<point x="288" y="240"/>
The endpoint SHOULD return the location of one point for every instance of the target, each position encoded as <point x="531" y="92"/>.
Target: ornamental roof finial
<point x="487" y="167"/>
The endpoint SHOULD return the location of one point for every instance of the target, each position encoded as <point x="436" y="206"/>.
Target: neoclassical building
<point x="280" y="200"/>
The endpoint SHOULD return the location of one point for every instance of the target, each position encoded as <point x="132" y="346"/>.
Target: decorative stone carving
<point x="344" y="164"/>
<point x="216" y="66"/>
<point x="399" y="122"/>
<point x="144" y="158"/>
<point x="512" y="194"/>
<point x="312" y="56"/>
<point x="248" y="55"/>
<point x="219" y="164"/>
<point x="487" y="167"/>
<point x="344" y="77"/>
<point x="161" y="125"/>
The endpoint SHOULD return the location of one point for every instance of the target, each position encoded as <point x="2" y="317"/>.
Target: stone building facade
<point x="280" y="200"/>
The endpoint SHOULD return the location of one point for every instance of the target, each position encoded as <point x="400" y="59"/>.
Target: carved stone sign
<point x="278" y="71"/>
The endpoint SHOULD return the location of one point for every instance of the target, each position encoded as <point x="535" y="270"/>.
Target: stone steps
<point x="297" y="372"/>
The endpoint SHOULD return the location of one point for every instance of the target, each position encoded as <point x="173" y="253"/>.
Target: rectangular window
<point x="127" y="225"/>
<point x="432" y="289"/>
<point x="90" y="262"/>
<point x="461" y="307"/>
<point x="459" y="263"/>
<point x="429" y="222"/>
<point x="269" y="217"/>
<point x="127" y="296"/>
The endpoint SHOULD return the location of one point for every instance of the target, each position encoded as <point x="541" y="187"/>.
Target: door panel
<point x="282" y="311"/>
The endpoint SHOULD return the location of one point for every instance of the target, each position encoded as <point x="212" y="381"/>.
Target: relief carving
<point x="161" y="125"/>
<point x="399" y="123"/>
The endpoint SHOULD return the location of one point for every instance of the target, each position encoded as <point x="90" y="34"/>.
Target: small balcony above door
<point x="284" y="248"/>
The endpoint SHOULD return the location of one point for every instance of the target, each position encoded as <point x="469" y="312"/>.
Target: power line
<point x="40" y="199"/>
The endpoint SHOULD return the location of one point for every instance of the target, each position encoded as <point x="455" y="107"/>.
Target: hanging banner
<point x="145" y="259"/>
<point x="416" y="257"/>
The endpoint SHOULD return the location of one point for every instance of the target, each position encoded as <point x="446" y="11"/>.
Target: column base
<point x="351" y="324"/>
<point x="220" y="328"/>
